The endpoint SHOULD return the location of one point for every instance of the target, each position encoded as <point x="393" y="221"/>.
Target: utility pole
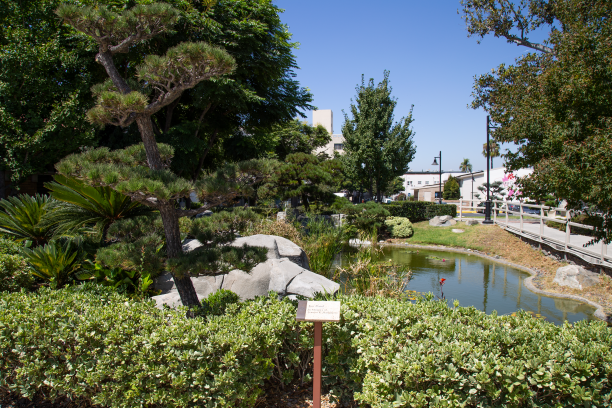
<point x="487" y="219"/>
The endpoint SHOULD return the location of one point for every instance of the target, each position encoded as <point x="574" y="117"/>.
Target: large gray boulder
<point x="283" y="272"/>
<point x="575" y="277"/>
<point x="442" y="221"/>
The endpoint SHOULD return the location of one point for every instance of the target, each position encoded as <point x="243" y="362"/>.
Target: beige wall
<point x="324" y="117"/>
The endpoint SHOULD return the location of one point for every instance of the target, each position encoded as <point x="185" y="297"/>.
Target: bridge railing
<point x="503" y="213"/>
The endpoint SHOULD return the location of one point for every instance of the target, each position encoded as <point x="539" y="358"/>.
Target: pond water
<point x="478" y="282"/>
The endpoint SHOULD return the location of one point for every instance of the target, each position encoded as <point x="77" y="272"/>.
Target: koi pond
<point x="478" y="282"/>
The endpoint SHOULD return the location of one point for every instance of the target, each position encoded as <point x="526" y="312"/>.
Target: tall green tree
<point x="46" y="71"/>
<point x="395" y="187"/>
<point x="377" y="149"/>
<point x="554" y="104"/>
<point x="451" y="189"/>
<point x="142" y="171"/>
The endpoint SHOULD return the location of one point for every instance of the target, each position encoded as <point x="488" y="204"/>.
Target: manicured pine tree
<point x="142" y="171"/>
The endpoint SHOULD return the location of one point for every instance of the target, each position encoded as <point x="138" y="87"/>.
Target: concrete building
<point x="325" y="117"/>
<point x="424" y="178"/>
<point x="468" y="184"/>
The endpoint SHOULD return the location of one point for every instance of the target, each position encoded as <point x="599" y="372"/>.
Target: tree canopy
<point x="451" y="189"/>
<point x="555" y="105"/>
<point x="47" y="69"/>
<point x="377" y="149"/>
<point x="303" y="175"/>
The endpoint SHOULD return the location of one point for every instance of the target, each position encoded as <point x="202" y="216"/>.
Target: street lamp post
<point x="435" y="163"/>
<point x="487" y="219"/>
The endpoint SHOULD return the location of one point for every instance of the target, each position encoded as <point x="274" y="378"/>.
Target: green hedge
<point x="417" y="211"/>
<point x="97" y="345"/>
<point x="387" y="353"/>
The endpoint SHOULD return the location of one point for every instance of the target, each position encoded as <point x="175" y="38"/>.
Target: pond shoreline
<point x="599" y="313"/>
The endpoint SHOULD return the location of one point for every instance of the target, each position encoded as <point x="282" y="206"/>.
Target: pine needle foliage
<point x="138" y="243"/>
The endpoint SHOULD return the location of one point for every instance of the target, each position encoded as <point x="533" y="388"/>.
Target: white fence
<point x="531" y="224"/>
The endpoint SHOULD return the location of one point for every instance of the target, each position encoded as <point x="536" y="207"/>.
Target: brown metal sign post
<point x="317" y="312"/>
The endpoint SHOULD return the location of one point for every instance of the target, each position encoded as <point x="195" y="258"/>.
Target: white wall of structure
<point x="416" y="179"/>
<point x="468" y="184"/>
<point x="325" y="117"/>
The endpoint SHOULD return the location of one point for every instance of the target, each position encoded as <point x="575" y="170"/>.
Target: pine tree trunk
<point x="148" y="138"/>
<point x="184" y="285"/>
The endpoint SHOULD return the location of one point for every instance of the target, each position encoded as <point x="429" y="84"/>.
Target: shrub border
<point x="599" y="313"/>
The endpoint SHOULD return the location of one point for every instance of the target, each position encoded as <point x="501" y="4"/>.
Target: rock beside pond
<point x="442" y="221"/>
<point x="285" y="272"/>
<point x="575" y="277"/>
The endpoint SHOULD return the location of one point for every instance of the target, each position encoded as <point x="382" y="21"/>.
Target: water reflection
<point x="473" y="282"/>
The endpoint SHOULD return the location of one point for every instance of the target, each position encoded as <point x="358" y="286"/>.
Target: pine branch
<point x="182" y="68"/>
<point x="116" y="33"/>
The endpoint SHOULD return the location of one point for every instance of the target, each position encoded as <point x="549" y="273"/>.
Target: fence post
<point x="494" y="211"/>
<point x="604" y="251"/>
<point x="541" y="221"/>
<point x="568" y="217"/>
<point x="460" y="209"/>
<point x="521" y="215"/>
<point x="507" y="214"/>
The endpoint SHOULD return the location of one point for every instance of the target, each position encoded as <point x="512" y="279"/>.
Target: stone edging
<point x="599" y="313"/>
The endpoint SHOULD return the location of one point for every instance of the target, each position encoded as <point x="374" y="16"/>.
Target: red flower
<point x="442" y="281"/>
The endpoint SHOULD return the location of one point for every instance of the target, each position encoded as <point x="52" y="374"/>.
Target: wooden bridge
<point x="531" y="225"/>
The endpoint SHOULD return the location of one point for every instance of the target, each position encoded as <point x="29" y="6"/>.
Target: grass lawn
<point x="493" y="240"/>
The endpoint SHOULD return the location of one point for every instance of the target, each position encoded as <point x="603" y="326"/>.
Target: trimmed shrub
<point x="15" y="273"/>
<point x="90" y="343"/>
<point x="400" y="227"/>
<point x="216" y="303"/>
<point x="368" y="218"/>
<point x="392" y="353"/>
<point x="421" y="210"/>
<point x="400" y="197"/>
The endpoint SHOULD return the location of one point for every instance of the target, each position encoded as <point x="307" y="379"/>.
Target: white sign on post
<point x="310" y="311"/>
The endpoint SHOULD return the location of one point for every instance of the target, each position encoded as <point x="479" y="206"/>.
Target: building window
<point x="419" y="182"/>
<point x="338" y="146"/>
<point x="427" y="182"/>
<point x="437" y="194"/>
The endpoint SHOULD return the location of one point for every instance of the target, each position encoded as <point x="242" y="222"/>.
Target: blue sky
<point x="424" y="44"/>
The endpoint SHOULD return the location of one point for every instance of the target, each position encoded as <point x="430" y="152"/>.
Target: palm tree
<point x="466" y="166"/>
<point x="21" y="218"/>
<point x="494" y="151"/>
<point x="81" y="206"/>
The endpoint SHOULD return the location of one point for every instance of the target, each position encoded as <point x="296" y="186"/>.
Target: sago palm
<point x="53" y="262"/>
<point x="21" y="217"/>
<point x="80" y="206"/>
